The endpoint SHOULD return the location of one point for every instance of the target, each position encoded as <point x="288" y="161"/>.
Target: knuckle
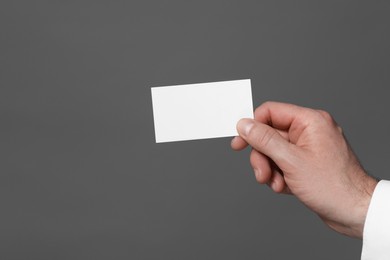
<point x="258" y="110"/>
<point x="328" y="118"/>
<point x="262" y="107"/>
<point x="326" y="115"/>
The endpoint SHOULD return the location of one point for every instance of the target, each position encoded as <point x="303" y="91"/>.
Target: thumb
<point x="266" y="140"/>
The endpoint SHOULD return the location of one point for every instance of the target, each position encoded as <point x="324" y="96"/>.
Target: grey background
<point x="81" y="176"/>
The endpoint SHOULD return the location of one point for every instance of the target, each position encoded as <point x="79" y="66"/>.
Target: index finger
<point x="281" y="115"/>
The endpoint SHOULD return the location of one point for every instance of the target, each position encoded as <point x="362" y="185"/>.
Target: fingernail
<point x="244" y="126"/>
<point x="274" y="185"/>
<point x="233" y="140"/>
<point x="257" y="173"/>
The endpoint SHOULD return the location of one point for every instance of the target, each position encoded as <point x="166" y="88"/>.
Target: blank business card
<point x="200" y="111"/>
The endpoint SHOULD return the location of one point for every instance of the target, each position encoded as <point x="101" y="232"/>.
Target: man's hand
<point x="303" y="152"/>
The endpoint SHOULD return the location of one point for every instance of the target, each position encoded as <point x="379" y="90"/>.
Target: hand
<point x="303" y="152"/>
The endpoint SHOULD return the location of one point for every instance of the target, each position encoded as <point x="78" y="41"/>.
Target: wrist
<point x="349" y="218"/>
<point x="362" y="205"/>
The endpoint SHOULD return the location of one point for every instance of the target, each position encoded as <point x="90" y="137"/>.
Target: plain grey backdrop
<point x="81" y="176"/>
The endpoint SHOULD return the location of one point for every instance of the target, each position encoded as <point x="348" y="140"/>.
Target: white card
<point x="200" y="111"/>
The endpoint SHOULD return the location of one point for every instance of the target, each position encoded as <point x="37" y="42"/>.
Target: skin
<point x="303" y="152"/>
